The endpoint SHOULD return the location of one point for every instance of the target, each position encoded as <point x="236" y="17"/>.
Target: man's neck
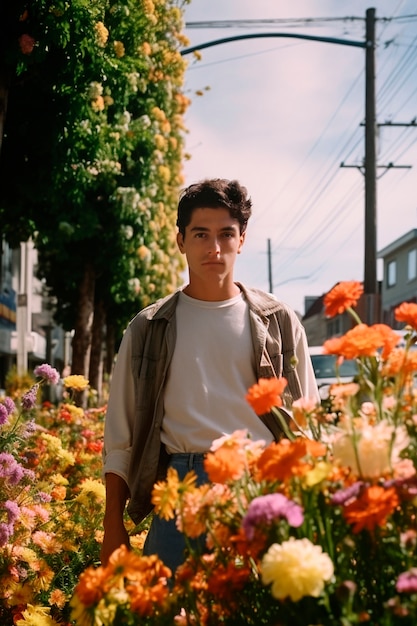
<point x="212" y="293"/>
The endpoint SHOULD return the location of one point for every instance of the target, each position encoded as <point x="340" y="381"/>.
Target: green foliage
<point x="91" y="159"/>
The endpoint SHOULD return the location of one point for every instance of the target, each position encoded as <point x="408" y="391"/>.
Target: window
<point x="412" y="264"/>
<point x="391" y="273"/>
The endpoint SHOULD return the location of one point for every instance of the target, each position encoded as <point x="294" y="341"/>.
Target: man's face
<point x="211" y="242"/>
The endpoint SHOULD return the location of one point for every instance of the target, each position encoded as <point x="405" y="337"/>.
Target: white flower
<point x="296" y="568"/>
<point x="370" y="450"/>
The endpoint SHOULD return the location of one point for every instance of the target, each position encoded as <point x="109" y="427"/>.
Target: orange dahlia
<point x="343" y="296"/>
<point x="266" y="394"/>
<point x="407" y="312"/>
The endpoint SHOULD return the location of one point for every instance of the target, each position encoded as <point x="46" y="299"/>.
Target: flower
<point x="407" y="312"/>
<point x="343" y="296"/>
<point x="266" y="394"/>
<point x="76" y="382"/>
<point x="371" y="508"/>
<point x="407" y="581"/>
<point x="102" y="34"/>
<point x="26" y="43"/>
<point x="48" y="373"/>
<point x="267" y="509"/>
<point x="296" y="568"/>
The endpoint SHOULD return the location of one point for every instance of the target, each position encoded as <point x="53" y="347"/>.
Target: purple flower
<point x="30" y="428"/>
<point x="407" y="581"/>
<point x="6" y="531"/>
<point x="42" y="496"/>
<point x="343" y="496"/>
<point x="48" y="373"/>
<point x="10" y="405"/>
<point x="3" y="414"/>
<point x="12" y="509"/>
<point x="267" y="509"/>
<point x="10" y="469"/>
<point x="29" y="398"/>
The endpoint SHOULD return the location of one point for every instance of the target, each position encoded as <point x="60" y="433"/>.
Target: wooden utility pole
<point x="271" y="284"/>
<point x="370" y="269"/>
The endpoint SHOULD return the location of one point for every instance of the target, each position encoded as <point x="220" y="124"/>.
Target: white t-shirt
<point x="210" y="373"/>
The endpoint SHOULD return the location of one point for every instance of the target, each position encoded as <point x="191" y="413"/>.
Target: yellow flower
<point x="165" y="495"/>
<point x="119" y="49"/>
<point x="88" y="488"/>
<point x="296" y="568"/>
<point x="102" y="34"/>
<point x="319" y="473"/>
<point x="36" y="616"/>
<point x="76" y="382"/>
<point x="98" y="104"/>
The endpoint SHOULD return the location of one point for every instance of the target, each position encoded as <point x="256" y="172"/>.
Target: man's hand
<point x="115" y="533"/>
<point x="113" y="539"/>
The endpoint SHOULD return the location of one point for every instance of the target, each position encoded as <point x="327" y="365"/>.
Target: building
<point x="399" y="285"/>
<point x="28" y="335"/>
<point x="400" y="275"/>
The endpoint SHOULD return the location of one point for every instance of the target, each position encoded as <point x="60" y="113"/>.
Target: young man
<point x="186" y="362"/>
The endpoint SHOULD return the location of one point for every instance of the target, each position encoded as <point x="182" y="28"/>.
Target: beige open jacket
<point x="132" y="442"/>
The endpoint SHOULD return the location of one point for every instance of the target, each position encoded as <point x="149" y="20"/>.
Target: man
<point x="186" y="362"/>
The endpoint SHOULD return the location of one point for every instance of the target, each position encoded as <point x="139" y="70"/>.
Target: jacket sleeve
<point x="119" y="420"/>
<point x="304" y="367"/>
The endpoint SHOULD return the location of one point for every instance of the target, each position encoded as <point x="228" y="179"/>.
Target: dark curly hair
<point x="212" y="194"/>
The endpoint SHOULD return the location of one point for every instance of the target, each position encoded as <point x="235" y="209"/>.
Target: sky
<point x="282" y="114"/>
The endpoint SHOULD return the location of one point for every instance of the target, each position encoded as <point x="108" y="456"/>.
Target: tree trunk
<point x="110" y="348"/>
<point x="4" y="93"/>
<point x="82" y="331"/>
<point x="94" y="372"/>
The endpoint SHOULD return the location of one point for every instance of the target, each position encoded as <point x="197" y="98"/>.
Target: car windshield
<point x="325" y="366"/>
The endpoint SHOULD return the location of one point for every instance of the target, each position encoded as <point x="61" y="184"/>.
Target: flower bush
<point x="316" y="529"/>
<point x="51" y="500"/>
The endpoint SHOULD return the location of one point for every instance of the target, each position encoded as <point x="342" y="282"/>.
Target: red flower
<point x="26" y="43"/>
<point x="344" y="295"/>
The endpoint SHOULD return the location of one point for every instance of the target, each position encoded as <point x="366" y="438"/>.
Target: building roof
<point x="398" y="243"/>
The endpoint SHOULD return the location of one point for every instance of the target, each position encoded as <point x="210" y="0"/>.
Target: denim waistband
<point x="188" y="459"/>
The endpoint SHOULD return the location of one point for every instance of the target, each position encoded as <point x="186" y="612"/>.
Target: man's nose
<point x="214" y="246"/>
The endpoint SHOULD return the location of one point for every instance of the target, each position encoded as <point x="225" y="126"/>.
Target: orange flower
<point x="362" y="340"/>
<point x="282" y="460"/>
<point x="225" y="580"/>
<point x="389" y="338"/>
<point x="224" y="464"/>
<point x="148" y="586"/>
<point x="333" y="346"/>
<point x="407" y="312"/>
<point x="266" y="394"/>
<point x="341" y="297"/>
<point x="371" y="508"/>
<point x="91" y="585"/>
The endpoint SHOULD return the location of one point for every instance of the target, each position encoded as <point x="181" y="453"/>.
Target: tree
<point x="91" y="160"/>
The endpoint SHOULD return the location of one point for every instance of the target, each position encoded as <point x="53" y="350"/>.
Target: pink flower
<point x="50" y="374"/>
<point x="407" y="581"/>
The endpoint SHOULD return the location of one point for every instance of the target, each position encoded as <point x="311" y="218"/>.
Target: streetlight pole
<point x="370" y="275"/>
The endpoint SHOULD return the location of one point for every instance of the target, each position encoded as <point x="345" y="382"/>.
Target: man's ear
<point x="180" y="242"/>
<point x="242" y="241"/>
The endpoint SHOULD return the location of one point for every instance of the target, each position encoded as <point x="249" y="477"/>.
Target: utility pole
<point x="271" y="284"/>
<point x="371" y="295"/>
<point x="370" y="270"/>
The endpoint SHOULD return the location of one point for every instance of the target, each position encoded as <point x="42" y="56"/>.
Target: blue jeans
<point x="163" y="537"/>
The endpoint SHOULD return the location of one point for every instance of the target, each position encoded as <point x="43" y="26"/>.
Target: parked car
<point x="327" y="372"/>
